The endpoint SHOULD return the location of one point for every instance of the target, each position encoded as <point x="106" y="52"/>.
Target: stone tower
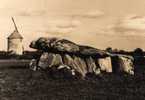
<point x="15" y="45"/>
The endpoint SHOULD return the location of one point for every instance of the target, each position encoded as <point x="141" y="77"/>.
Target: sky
<point x="98" y="23"/>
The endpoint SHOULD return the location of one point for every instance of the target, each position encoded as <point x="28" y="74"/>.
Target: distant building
<point x="15" y="45"/>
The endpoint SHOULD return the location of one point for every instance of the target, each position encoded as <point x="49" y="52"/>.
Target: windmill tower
<point x="15" y="45"/>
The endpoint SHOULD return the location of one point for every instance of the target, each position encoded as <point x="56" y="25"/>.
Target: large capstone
<point x="55" y="44"/>
<point x="90" y="51"/>
<point x="65" y="46"/>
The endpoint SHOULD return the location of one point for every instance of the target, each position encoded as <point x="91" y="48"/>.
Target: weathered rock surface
<point x="66" y="71"/>
<point x="49" y="60"/>
<point x="33" y="64"/>
<point x="90" y="51"/>
<point x="81" y="65"/>
<point x="122" y="63"/>
<point x="61" y="54"/>
<point x="63" y="45"/>
<point x="68" y="60"/>
<point x="127" y="64"/>
<point x="91" y="65"/>
<point x="55" y="44"/>
<point x="105" y="64"/>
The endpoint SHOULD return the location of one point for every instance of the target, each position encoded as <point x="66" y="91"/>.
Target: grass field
<point x="5" y="63"/>
<point x="24" y="84"/>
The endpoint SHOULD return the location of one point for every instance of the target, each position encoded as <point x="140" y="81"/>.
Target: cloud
<point x="67" y="24"/>
<point x="57" y="30"/>
<point x="31" y="13"/>
<point x="93" y="14"/>
<point x="22" y="12"/>
<point x="131" y="25"/>
<point x="90" y="14"/>
<point x="62" y="26"/>
<point x="106" y="30"/>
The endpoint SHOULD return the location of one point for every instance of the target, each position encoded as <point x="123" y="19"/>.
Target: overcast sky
<point x="100" y="23"/>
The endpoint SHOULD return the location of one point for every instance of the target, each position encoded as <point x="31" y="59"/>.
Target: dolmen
<point x="61" y="55"/>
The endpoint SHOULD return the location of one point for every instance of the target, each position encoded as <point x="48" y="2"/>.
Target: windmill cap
<point x="15" y="35"/>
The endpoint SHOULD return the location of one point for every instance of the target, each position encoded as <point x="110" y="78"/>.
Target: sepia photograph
<point x="72" y="49"/>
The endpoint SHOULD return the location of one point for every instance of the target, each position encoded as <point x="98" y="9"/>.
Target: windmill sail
<point x="16" y="29"/>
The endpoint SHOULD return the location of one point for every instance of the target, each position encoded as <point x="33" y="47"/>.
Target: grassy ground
<point x="23" y="84"/>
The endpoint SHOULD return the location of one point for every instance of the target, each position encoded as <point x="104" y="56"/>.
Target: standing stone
<point x="68" y="60"/>
<point x="122" y="63"/>
<point x="91" y="66"/>
<point x="126" y="64"/>
<point x="81" y="65"/>
<point x="49" y="60"/>
<point x="105" y="64"/>
<point x="58" y="60"/>
<point x="43" y="61"/>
